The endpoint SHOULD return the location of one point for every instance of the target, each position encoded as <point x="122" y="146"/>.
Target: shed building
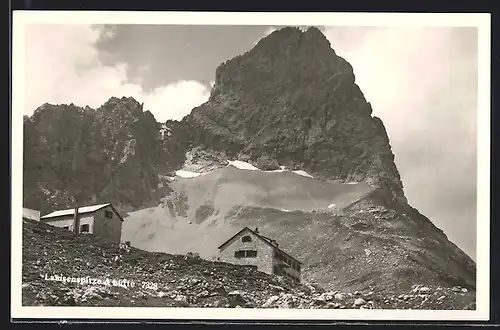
<point x="31" y="214"/>
<point x="101" y="220"/>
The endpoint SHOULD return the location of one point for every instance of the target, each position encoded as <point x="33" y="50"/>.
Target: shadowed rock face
<point x="114" y="153"/>
<point x="290" y="101"/>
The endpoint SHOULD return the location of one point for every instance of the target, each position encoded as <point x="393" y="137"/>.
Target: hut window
<point x="246" y="239"/>
<point x="245" y="254"/>
<point x="108" y="214"/>
<point x="84" y="228"/>
<point x="251" y="253"/>
<point x="239" y="254"/>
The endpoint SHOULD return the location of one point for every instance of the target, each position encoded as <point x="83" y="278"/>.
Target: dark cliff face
<point x="113" y="153"/>
<point x="293" y="101"/>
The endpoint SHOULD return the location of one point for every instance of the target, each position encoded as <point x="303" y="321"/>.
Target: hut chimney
<point x="76" y="221"/>
<point x="256" y="230"/>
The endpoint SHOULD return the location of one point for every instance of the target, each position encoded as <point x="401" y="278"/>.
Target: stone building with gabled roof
<point x="249" y="247"/>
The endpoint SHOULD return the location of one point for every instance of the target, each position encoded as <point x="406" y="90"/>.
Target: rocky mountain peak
<point x="288" y="102"/>
<point x="296" y="37"/>
<point x="292" y="100"/>
<point x="123" y="108"/>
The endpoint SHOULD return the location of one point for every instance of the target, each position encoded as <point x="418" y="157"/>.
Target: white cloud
<point x="266" y="33"/>
<point x="62" y="66"/>
<point x="422" y="82"/>
<point x="400" y="69"/>
<point x="269" y="31"/>
<point x="176" y="100"/>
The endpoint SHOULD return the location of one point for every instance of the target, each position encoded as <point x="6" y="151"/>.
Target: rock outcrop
<point x="114" y="153"/>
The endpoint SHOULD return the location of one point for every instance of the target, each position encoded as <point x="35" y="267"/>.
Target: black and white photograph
<point x="293" y="166"/>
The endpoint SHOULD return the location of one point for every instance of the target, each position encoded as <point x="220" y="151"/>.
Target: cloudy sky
<point x="422" y="82"/>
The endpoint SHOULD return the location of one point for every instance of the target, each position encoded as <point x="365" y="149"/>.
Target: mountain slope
<point x="194" y="216"/>
<point x="319" y="175"/>
<point x="181" y="281"/>
<point x="357" y="245"/>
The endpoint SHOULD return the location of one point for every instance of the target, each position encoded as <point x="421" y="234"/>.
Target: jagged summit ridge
<point x="311" y="37"/>
<point x="288" y="52"/>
